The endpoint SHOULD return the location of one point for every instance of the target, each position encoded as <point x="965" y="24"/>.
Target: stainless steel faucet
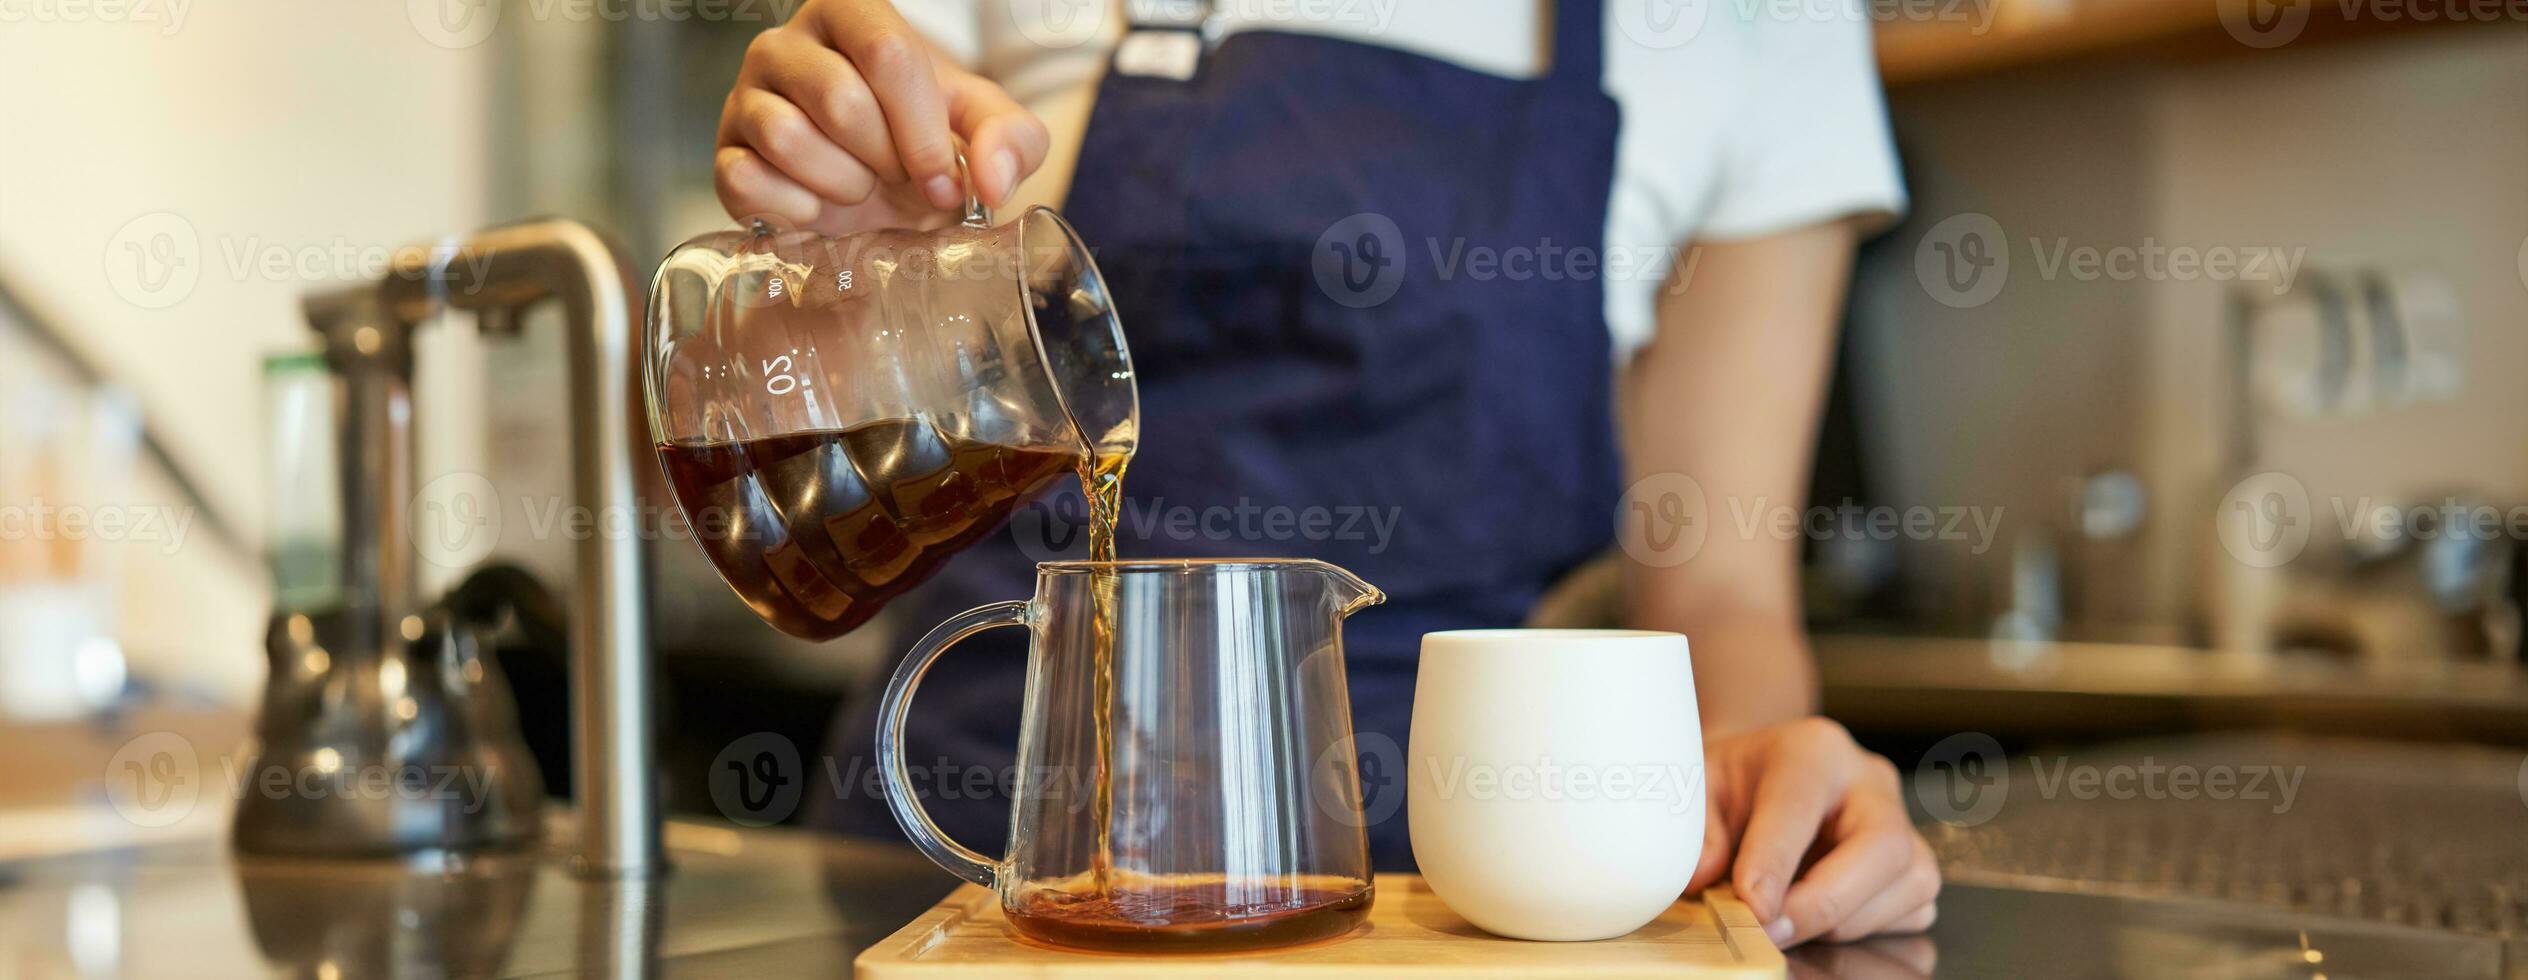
<point x="497" y="273"/>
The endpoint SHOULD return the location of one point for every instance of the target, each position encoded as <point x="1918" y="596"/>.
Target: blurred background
<point x="2183" y="410"/>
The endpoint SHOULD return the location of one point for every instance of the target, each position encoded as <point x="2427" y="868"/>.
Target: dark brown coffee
<point x="1193" y="917"/>
<point x="817" y="530"/>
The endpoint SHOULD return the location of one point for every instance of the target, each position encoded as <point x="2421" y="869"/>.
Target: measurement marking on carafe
<point x="777" y="378"/>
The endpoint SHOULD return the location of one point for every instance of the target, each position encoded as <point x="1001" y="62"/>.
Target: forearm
<point x="1720" y="414"/>
<point x="1751" y="669"/>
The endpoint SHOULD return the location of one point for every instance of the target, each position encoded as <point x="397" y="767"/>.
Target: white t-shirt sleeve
<point x="1808" y="140"/>
<point x="955" y="26"/>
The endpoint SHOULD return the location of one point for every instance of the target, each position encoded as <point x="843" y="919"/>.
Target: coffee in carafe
<point x="839" y="415"/>
<point x="817" y="530"/>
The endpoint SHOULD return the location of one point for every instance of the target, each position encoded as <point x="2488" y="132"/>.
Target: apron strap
<point x="1162" y="39"/>
<point x="1579" y="45"/>
<point x="1579" y="29"/>
<point x="1166" y="15"/>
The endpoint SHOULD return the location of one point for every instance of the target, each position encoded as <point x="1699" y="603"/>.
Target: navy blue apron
<point x="1303" y="239"/>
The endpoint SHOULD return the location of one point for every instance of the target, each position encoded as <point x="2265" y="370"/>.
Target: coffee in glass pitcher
<point x="839" y="415"/>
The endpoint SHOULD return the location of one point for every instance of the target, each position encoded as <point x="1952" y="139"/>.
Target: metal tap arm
<point x="497" y="273"/>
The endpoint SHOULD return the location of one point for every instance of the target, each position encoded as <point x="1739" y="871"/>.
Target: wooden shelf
<point x="2019" y="33"/>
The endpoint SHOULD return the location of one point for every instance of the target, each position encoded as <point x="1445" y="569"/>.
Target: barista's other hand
<point x="1811" y="830"/>
<point x="841" y="121"/>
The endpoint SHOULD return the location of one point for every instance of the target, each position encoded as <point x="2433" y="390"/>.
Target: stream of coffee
<point x="1102" y="482"/>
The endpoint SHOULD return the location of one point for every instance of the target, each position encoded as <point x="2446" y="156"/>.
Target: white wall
<point x="313" y="133"/>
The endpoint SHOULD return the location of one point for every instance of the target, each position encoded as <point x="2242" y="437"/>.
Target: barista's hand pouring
<point x="846" y="119"/>
<point x="841" y="121"/>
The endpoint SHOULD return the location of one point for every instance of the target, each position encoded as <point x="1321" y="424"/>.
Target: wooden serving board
<point x="1409" y="932"/>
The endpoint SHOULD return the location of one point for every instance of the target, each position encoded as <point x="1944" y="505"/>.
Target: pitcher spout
<point x="1351" y="593"/>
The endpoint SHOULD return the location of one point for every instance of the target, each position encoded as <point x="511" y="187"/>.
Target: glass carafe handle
<point x="959" y="859"/>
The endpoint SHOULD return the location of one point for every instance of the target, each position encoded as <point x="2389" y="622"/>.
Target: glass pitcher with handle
<point x="837" y="415"/>
<point x="1186" y="777"/>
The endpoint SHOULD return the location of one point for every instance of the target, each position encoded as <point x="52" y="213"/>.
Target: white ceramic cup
<point x="1555" y="781"/>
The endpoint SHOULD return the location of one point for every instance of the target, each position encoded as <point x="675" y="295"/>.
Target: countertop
<point x="785" y="903"/>
<point x="1949" y="684"/>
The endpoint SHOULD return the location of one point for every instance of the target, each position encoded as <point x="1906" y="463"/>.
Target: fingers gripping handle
<point x="959" y="859"/>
